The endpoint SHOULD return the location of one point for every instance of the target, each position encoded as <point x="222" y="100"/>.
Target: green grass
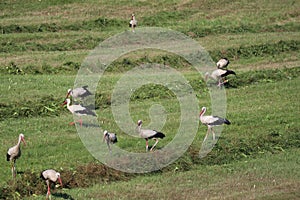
<point x="43" y="44"/>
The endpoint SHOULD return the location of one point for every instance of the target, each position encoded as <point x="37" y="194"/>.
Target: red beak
<point x="23" y="140"/>
<point x="64" y="103"/>
<point x="59" y="179"/>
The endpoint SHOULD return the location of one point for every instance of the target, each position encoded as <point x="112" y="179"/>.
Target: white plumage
<point x="149" y="134"/>
<point x="50" y="176"/>
<point x="222" y="63"/>
<point x="79" y="110"/>
<point x="109" y="138"/>
<point x="80" y="93"/>
<point x="133" y="22"/>
<point x="14" y="153"/>
<point x="219" y="75"/>
<point x="211" y="121"/>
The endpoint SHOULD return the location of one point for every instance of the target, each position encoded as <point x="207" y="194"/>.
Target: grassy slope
<point x="271" y="176"/>
<point x="264" y="115"/>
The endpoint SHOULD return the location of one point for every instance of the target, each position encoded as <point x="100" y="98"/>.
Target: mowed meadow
<point x="44" y="43"/>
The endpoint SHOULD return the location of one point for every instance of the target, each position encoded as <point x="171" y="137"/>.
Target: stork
<point x="132" y="22"/>
<point x="219" y="76"/>
<point x="211" y="121"/>
<point x="81" y="93"/>
<point x="50" y="176"/>
<point x="79" y="110"/>
<point x="222" y="63"/>
<point x="109" y="138"/>
<point x="149" y="134"/>
<point x="14" y="153"/>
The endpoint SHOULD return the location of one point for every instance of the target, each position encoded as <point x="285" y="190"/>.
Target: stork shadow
<point x="63" y="196"/>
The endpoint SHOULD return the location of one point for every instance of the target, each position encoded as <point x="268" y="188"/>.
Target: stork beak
<point x="23" y="140"/>
<point x="68" y="94"/>
<point x="64" y="103"/>
<point x="59" y="179"/>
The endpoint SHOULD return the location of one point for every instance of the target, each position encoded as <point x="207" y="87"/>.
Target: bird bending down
<point x="149" y="134"/>
<point x="79" y="110"/>
<point x="219" y="76"/>
<point x="222" y="63"/>
<point x="211" y="121"/>
<point x="80" y="93"/>
<point x="109" y="138"/>
<point x="14" y="153"/>
<point x="50" y="176"/>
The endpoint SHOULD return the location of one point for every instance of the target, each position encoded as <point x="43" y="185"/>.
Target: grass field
<point x="44" y="43"/>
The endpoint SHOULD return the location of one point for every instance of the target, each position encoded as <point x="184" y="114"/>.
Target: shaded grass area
<point x="247" y="179"/>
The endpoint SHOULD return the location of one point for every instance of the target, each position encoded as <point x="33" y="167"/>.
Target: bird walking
<point x="14" y="153"/>
<point x="79" y="93"/>
<point x="219" y="76"/>
<point x="211" y="121"/>
<point x="149" y="134"/>
<point x="133" y="22"/>
<point x="109" y="138"/>
<point x="79" y="110"/>
<point x="223" y="63"/>
<point x="50" y="176"/>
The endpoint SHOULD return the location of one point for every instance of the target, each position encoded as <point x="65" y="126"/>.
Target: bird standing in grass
<point x="50" y="176"/>
<point x="79" y="110"/>
<point x="109" y="138"/>
<point x="211" y="121"/>
<point x="149" y="134"/>
<point x="14" y="153"/>
<point x="79" y="93"/>
<point x="133" y="22"/>
<point x="219" y="76"/>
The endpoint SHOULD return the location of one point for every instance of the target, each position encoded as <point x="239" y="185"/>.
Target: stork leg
<point x="146" y="144"/>
<point x="214" y="135"/>
<point x="156" y="141"/>
<point x="13" y="170"/>
<point x="208" y="129"/>
<point x="80" y="121"/>
<point x="48" y="192"/>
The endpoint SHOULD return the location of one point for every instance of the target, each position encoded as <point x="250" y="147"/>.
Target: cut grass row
<point x="279" y="49"/>
<point x="23" y="100"/>
<point x="257" y="128"/>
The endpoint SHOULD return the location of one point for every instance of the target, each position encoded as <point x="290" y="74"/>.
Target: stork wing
<point x="147" y="133"/>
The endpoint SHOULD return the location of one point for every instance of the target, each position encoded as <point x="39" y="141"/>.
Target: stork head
<point x="202" y="111"/>
<point x="22" y="137"/>
<point x="139" y="122"/>
<point x="105" y="132"/>
<point x="68" y="93"/>
<point x="59" y="179"/>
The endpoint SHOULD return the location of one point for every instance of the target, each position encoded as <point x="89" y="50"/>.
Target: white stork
<point x="219" y="76"/>
<point x="149" y="134"/>
<point x="81" y="93"/>
<point x="222" y="63"/>
<point x="132" y="22"/>
<point x="109" y="138"/>
<point x="50" y="176"/>
<point x="79" y="110"/>
<point x="14" y="153"/>
<point x="211" y="121"/>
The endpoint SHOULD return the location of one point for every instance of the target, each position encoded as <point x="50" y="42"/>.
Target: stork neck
<point x="19" y="142"/>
